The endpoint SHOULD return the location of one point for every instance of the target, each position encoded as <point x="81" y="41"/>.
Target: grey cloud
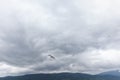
<point x="32" y="30"/>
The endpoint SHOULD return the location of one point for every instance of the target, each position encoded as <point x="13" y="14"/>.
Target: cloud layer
<point x="82" y="36"/>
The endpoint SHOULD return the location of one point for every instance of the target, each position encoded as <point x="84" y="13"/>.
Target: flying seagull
<point x="52" y="57"/>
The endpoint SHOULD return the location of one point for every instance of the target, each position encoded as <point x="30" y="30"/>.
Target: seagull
<point x="52" y="57"/>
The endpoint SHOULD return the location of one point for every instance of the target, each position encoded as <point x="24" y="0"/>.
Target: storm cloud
<point x="82" y="36"/>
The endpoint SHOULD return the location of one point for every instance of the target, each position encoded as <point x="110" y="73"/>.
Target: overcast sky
<point x="51" y="36"/>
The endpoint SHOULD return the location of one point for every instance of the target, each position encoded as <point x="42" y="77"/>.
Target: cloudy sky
<point x="51" y="36"/>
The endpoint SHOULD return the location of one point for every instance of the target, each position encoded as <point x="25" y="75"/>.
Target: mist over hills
<point x="111" y="73"/>
<point x="63" y="76"/>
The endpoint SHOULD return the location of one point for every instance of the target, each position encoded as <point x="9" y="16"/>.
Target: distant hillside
<point x="111" y="73"/>
<point x="61" y="76"/>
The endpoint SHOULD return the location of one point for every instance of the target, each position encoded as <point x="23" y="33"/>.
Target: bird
<point x="52" y="57"/>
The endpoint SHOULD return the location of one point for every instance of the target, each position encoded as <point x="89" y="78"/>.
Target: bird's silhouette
<point x="52" y="57"/>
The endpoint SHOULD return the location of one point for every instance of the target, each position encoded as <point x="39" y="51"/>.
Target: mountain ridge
<point x="111" y="73"/>
<point x="61" y="76"/>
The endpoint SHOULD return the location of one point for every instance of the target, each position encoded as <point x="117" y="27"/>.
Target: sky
<point x="53" y="36"/>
